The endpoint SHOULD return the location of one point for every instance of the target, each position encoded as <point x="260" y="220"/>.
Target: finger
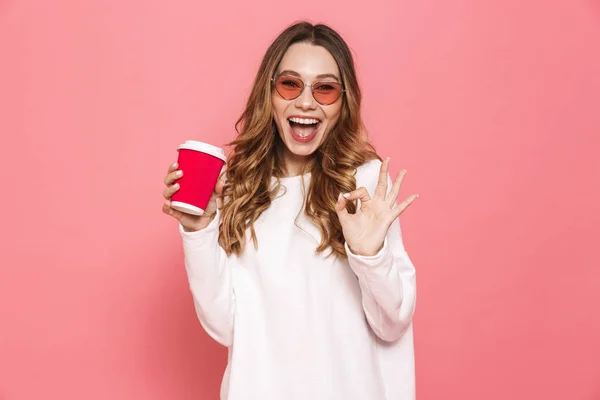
<point x="173" y="176"/>
<point x="167" y="209"/>
<point x="399" y="208"/>
<point x="219" y="187"/>
<point x="381" y="188"/>
<point x="360" y="193"/>
<point x="340" y="207"/>
<point x="393" y="194"/>
<point x="172" y="167"/>
<point x="169" y="191"/>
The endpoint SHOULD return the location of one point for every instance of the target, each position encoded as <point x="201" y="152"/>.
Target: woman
<point x="300" y="274"/>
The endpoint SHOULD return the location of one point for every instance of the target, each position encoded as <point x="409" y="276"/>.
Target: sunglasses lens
<point x="289" y="87"/>
<point x="327" y="92"/>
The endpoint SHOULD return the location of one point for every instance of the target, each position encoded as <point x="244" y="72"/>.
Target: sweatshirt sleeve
<point x="210" y="281"/>
<point x="387" y="283"/>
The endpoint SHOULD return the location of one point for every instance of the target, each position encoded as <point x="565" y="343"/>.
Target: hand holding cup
<point x="193" y="200"/>
<point x="189" y="222"/>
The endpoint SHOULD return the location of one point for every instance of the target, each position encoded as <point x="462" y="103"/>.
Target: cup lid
<point x="203" y="147"/>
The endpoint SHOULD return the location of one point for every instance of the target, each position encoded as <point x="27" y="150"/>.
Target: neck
<point x="293" y="165"/>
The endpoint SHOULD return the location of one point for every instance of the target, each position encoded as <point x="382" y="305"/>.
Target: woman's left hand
<point x="365" y="230"/>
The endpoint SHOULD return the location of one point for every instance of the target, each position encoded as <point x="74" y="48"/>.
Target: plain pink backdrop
<point x="492" y="106"/>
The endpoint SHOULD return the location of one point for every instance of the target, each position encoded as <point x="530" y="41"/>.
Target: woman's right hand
<point x="190" y="223"/>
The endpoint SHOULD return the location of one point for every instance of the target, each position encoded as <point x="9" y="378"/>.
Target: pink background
<point x="492" y="106"/>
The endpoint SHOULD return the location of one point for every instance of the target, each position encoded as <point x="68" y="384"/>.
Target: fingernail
<point x="179" y="173"/>
<point x="346" y="195"/>
<point x="177" y="186"/>
<point x="173" y="165"/>
<point x="340" y="196"/>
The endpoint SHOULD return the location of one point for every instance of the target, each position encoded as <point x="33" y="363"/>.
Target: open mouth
<point x="304" y="129"/>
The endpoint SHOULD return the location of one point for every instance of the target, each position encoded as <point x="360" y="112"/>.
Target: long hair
<point x="254" y="160"/>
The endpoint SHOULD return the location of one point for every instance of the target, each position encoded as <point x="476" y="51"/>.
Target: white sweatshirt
<point x="299" y="325"/>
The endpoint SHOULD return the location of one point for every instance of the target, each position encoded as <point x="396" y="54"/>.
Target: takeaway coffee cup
<point x="201" y="164"/>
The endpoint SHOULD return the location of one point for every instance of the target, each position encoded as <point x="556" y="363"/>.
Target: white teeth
<point x="306" y="121"/>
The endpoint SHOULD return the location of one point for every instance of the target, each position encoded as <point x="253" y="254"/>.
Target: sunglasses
<point x="290" y="87"/>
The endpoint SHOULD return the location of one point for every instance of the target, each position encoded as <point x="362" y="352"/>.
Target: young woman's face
<point x="310" y="64"/>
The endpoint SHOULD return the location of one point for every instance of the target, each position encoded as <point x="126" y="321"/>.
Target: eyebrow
<point x="321" y="76"/>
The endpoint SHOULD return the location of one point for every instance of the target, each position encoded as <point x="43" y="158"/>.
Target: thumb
<point x="340" y="208"/>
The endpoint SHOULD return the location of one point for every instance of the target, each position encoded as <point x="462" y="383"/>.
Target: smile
<point x="304" y="129"/>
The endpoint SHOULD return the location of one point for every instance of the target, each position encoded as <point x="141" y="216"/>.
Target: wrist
<point x="203" y="222"/>
<point x="365" y="251"/>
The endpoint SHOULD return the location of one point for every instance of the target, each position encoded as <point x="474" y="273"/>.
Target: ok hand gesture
<point x="365" y="230"/>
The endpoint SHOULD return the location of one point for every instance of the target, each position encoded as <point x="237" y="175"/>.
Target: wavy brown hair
<point x="255" y="157"/>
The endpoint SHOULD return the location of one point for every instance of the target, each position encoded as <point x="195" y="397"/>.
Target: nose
<point x="306" y="101"/>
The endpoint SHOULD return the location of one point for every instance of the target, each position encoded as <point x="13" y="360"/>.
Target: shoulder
<point x="367" y="174"/>
<point x="369" y="168"/>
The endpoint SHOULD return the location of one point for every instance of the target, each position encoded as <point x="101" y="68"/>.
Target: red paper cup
<point x="201" y="164"/>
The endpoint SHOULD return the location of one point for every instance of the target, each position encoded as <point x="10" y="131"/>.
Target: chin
<point x="301" y="151"/>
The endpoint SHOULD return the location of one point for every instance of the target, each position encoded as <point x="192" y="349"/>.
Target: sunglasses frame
<point x="312" y="89"/>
